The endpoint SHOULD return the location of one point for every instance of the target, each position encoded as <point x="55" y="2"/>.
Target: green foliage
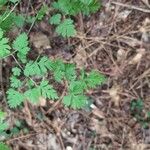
<point x="3" y="2"/>
<point x="33" y="95"/>
<point x="55" y="19"/>
<point x="2" y="115"/>
<point x="67" y="8"/>
<point x="9" y="19"/>
<point x="19" y="20"/>
<point x="41" y="13"/>
<point x="138" y="111"/>
<point x="70" y="72"/>
<point x="14" y="97"/>
<point x="15" y="83"/>
<point x="16" y="71"/>
<point x="37" y="68"/>
<point x="58" y="68"/>
<point x="4" y="46"/>
<point x="21" y="46"/>
<point x="14" y="1"/>
<point x="4" y="147"/>
<point x="137" y="105"/>
<point x="61" y="72"/>
<point x="47" y="91"/>
<point x="93" y="79"/>
<point x="28" y="81"/>
<point x="3" y="124"/>
<point x="66" y="28"/>
<point x="76" y="97"/>
<point x="6" y="20"/>
<point x="75" y="101"/>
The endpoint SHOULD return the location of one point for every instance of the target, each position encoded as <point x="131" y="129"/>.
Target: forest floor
<point x="115" y="41"/>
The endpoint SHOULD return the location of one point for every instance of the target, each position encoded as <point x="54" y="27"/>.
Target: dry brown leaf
<point x="140" y="146"/>
<point x="130" y="41"/>
<point x="144" y="30"/>
<point x="121" y="54"/>
<point x="137" y="58"/>
<point x="42" y="101"/>
<point x="114" y="94"/>
<point x="40" y="41"/>
<point x="146" y="2"/>
<point x="100" y="127"/>
<point x="124" y="14"/>
<point x="80" y="57"/>
<point x="97" y="112"/>
<point x="134" y="145"/>
<point x="47" y="142"/>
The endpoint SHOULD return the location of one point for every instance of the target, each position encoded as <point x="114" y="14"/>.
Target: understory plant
<point x="139" y="113"/>
<point x="32" y="89"/>
<point x="33" y="80"/>
<point x="3" y="127"/>
<point x="66" y="9"/>
<point x="64" y="12"/>
<point x="29" y="78"/>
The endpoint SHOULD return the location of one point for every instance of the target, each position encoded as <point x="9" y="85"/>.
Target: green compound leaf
<point x="77" y="87"/>
<point x="58" y="68"/>
<point x="38" y="68"/>
<point x="4" y="47"/>
<point x="2" y="116"/>
<point x="86" y="1"/>
<point x="3" y="126"/>
<point x="33" y="95"/>
<point x="31" y="69"/>
<point x="30" y="19"/>
<point x="7" y="20"/>
<point x="4" y="146"/>
<point x="47" y="91"/>
<point x="21" y="46"/>
<point x="75" y="101"/>
<point x="90" y="7"/>
<point x="63" y="71"/>
<point x="14" y="1"/>
<point x="70" y="72"/>
<point x="3" y="2"/>
<point x="45" y="64"/>
<point x="70" y="7"/>
<point x="66" y="28"/>
<point x="15" y="83"/>
<point x="41" y="13"/>
<point x="67" y="7"/>
<point x="15" y="98"/>
<point x="16" y="71"/>
<point x="55" y="19"/>
<point x="19" y="20"/>
<point x="94" y="78"/>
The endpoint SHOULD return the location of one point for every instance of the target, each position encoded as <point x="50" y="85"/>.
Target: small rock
<point x="69" y="148"/>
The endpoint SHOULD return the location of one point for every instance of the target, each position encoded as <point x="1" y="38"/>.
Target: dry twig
<point x="132" y="7"/>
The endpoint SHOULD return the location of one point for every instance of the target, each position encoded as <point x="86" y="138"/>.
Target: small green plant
<point x="29" y="78"/>
<point x="8" y="18"/>
<point x="3" y="127"/>
<point x="23" y="86"/>
<point x="3" y="124"/>
<point x="62" y="19"/>
<point x="3" y="146"/>
<point x="137" y="110"/>
<point x="68" y="8"/>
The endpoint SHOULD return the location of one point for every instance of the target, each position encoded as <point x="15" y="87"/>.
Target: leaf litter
<point x="118" y="39"/>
